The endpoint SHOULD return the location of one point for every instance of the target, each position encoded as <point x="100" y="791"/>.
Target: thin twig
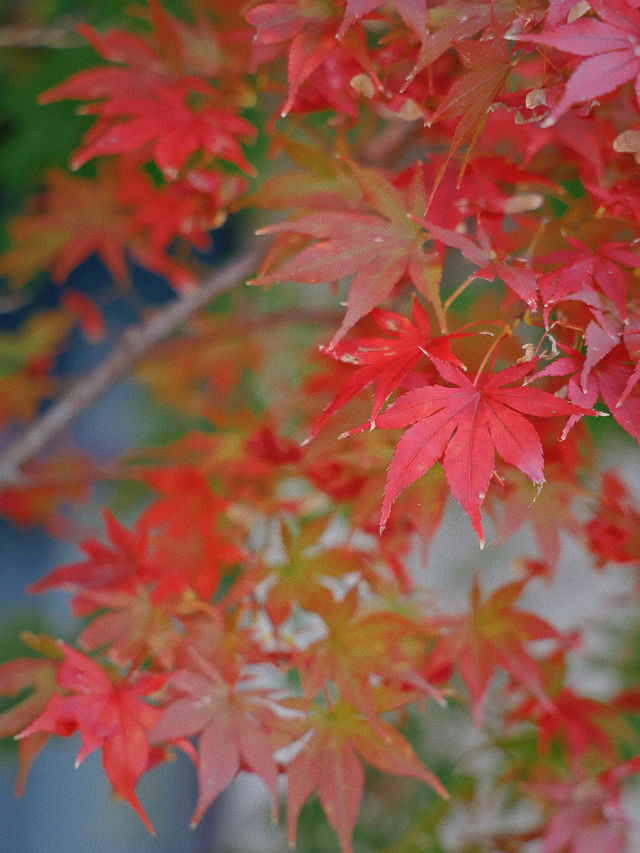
<point x="136" y="342"/>
<point x="58" y="34"/>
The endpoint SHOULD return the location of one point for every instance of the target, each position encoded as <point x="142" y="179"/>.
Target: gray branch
<point x="136" y="343"/>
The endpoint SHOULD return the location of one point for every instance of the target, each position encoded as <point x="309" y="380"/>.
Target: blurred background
<point x="71" y="810"/>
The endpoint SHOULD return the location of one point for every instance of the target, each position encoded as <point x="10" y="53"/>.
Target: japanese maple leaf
<point x="37" y="675"/>
<point x="456" y="23"/>
<point x="379" y="249"/>
<point x="586" y="814"/>
<point x="614" y="531"/>
<point x="150" y="104"/>
<point x="186" y="525"/>
<point x="229" y="719"/>
<point x="109" y="716"/>
<point x="155" y="118"/>
<point x="385" y="362"/>
<point x="413" y="13"/>
<point x="301" y="578"/>
<point x="552" y="512"/>
<point x="76" y="217"/>
<point x="586" y="271"/>
<point x="611" y="48"/>
<point x="370" y="657"/>
<point x="329" y="763"/>
<point x="308" y="26"/>
<point x="617" y="381"/>
<point x="604" y="372"/>
<point x="495" y="633"/>
<point x="464" y="424"/>
<point x="473" y="94"/>
<point x="580" y="721"/>
<point x="106" y="567"/>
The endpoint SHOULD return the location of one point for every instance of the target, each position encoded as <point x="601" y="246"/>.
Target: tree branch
<point x="59" y="33"/>
<point x="135" y="344"/>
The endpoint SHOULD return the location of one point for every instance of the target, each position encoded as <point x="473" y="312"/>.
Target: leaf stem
<point x="491" y="352"/>
<point x="457" y="292"/>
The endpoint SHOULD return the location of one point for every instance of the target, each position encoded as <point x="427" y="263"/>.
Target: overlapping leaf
<point x="109" y="716"/>
<point x="228" y="720"/>
<point x="610" y="45"/>
<point x="385" y="362"/>
<point x="378" y="249"/>
<point x="494" y="632"/>
<point x="329" y="763"/>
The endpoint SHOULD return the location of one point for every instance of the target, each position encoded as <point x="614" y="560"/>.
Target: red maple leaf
<point x="586" y="272"/>
<point x="494" y="634"/>
<point x="152" y="103"/>
<point x="586" y="814"/>
<point x="611" y="48"/>
<point x="473" y="94"/>
<point x="385" y="362"/>
<point x="413" y="13"/>
<point x="465" y="423"/>
<point x="310" y="28"/>
<point x="228" y="717"/>
<point x="329" y="762"/>
<point x="109" y="716"/>
<point x="378" y="248"/>
<point x="16" y="676"/>
<point x="155" y="118"/>
<point x="189" y="533"/>
<point x="120" y="565"/>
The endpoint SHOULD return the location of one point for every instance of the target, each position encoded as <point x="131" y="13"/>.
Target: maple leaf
<point x="450" y="24"/>
<point x="617" y="381"/>
<point x="465" y="423"/>
<point x="413" y="13"/>
<point x="151" y="104"/>
<point x="604" y="372"/>
<point x="157" y="121"/>
<point x="375" y="658"/>
<point x="106" y="567"/>
<point x="611" y="45"/>
<point x="301" y="578"/>
<point x="379" y="249"/>
<point x="522" y="281"/>
<point x="495" y="633"/>
<point x="38" y="675"/>
<point x="110" y="716"/>
<point x="115" y="585"/>
<point x="586" y="814"/>
<point x="614" y="531"/>
<point x="186" y="524"/>
<point x="549" y="512"/>
<point x="579" y="720"/>
<point x="385" y="362"/>
<point x="472" y="96"/>
<point x="230" y="720"/>
<point x="77" y="217"/>
<point x="585" y="272"/>
<point x="308" y="26"/>
<point x="328" y="761"/>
